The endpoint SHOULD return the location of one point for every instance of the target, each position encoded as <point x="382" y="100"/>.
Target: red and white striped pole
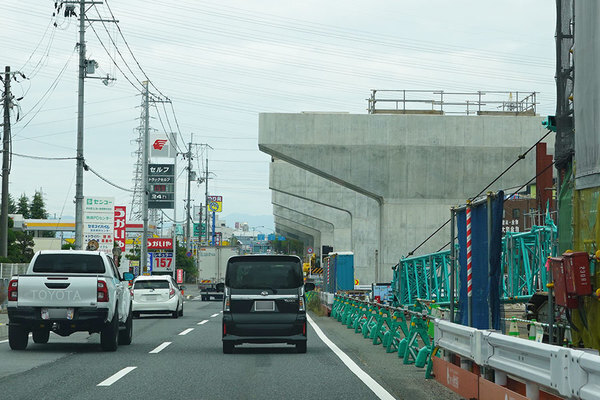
<point x="469" y="268"/>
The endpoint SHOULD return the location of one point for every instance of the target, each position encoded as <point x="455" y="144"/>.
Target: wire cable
<point x="88" y="168"/>
<point x="171" y="219"/>
<point x="131" y="52"/>
<point x="115" y="62"/>
<point x="40" y="157"/>
<point x="521" y="157"/>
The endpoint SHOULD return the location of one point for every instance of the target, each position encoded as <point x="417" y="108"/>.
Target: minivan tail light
<point x="301" y="306"/>
<point x="13" y="290"/>
<point x="227" y="303"/>
<point x="102" y="292"/>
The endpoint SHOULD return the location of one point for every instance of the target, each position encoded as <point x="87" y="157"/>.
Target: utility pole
<point x="206" y="198"/>
<point x="5" y="165"/>
<point x="79" y="161"/>
<point x="144" y="244"/>
<point x="83" y="64"/>
<point x="188" y="204"/>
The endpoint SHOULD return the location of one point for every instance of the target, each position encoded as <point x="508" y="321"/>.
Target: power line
<point x="131" y="52"/>
<point x="519" y="158"/>
<point x="40" y="157"/>
<point x="88" y="168"/>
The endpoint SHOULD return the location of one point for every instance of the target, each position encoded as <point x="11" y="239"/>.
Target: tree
<point x="23" y="206"/>
<point x="20" y="246"/>
<point x="21" y="250"/>
<point x="186" y="263"/>
<point x="37" y="209"/>
<point x="12" y="207"/>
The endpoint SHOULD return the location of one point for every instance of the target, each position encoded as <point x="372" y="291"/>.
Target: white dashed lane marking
<point x="116" y="377"/>
<point x="202" y="322"/>
<point x="186" y="331"/>
<point x="214" y="315"/>
<point x="160" y="348"/>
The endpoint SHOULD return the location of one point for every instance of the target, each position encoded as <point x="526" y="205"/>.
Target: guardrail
<point x="407" y="331"/>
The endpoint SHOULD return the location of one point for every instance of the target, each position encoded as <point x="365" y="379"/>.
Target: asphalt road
<point x="182" y="359"/>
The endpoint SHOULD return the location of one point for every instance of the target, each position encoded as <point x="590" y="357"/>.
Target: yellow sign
<point x="214" y="203"/>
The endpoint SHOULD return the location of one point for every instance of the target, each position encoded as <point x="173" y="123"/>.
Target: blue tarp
<point x="486" y="286"/>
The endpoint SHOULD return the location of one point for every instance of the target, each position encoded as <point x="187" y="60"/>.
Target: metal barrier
<point x="407" y="331"/>
<point x="524" y="257"/>
<point x="9" y="270"/>
<point x="404" y="331"/>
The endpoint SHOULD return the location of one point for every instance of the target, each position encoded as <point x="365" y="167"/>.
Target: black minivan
<point x="264" y="301"/>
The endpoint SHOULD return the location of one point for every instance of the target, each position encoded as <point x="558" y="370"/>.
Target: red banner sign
<point x="179" y="276"/>
<point x="120" y="226"/>
<point x="160" y="243"/>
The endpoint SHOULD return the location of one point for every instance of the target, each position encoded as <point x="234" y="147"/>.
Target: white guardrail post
<point x="572" y="373"/>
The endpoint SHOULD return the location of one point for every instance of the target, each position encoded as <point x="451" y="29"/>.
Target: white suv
<point x="157" y="294"/>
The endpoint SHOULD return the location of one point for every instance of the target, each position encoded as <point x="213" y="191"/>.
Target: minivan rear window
<point x="264" y="273"/>
<point x="154" y="284"/>
<point x="69" y="264"/>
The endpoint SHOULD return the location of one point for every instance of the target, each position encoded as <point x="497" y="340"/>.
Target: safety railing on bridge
<point x="439" y="102"/>
<point x="416" y="336"/>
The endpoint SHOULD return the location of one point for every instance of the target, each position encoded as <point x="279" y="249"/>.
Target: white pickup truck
<point x="66" y="291"/>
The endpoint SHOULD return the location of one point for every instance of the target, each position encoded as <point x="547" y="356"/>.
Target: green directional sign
<point x="197" y="229"/>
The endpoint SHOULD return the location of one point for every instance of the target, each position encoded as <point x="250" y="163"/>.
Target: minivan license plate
<point x="264" y="306"/>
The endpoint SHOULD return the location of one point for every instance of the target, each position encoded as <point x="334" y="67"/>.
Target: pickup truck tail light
<point x="13" y="290"/>
<point x="102" y="293"/>
<point x="172" y="293"/>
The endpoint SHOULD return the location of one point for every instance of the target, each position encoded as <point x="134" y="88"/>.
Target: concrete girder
<point x="310" y="236"/>
<point x="364" y="211"/>
<point x="415" y="166"/>
<point x="288" y="232"/>
<point x="324" y="228"/>
<point x="340" y="220"/>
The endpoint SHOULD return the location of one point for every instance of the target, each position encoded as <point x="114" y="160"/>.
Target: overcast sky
<point x="223" y="62"/>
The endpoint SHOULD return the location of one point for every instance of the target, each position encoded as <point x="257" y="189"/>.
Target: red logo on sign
<point x="159" y="144"/>
<point x="160" y="243"/>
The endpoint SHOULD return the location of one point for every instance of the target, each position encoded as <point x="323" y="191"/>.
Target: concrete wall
<point x="414" y="166"/>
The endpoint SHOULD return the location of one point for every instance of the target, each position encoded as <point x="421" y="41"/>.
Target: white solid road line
<point x="116" y="377"/>
<point x="186" y="331"/>
<point x="379" y="391"/>
<point x="214" y="315"/>
<point x="160" y="348"/>
<point x="202" y="322"/>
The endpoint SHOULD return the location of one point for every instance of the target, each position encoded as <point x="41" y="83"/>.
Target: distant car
<point x="212" y="291"/>
<point x="264" y="301"/>
<point x="157" y="294"/>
